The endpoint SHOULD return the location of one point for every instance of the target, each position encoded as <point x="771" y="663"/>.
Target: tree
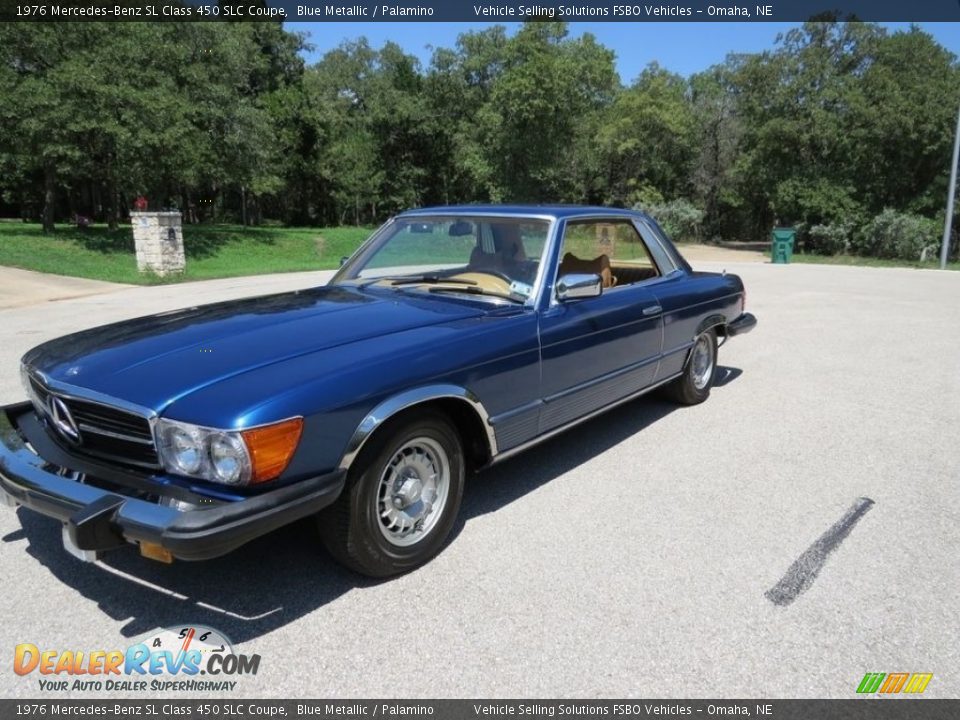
<point x="648" y="137"/>
<point x="549" y="90"/>
<point x="902" y="122"/>
<point x="719" y="131"/>
<point x="37" y="71"/>
<point x="838" y="122"/>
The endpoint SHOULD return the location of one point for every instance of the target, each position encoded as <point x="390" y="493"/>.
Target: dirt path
<point x="715" y="253"/>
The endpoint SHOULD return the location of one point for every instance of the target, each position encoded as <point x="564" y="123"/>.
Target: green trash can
<point x="781" y="250"/>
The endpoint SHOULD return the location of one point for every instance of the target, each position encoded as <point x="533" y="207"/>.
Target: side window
<point x="653" y="237"/>
<point x="610" y="248"/>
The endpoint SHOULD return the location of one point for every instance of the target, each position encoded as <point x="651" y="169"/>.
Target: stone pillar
<point x="158" y="237"/>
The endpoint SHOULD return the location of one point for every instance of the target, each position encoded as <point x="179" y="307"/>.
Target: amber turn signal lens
<point x="271" y="448"/>
<point x="156" y="552"/>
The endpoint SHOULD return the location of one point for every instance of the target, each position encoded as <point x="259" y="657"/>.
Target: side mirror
<point x="579" y="285"/>
<point x="343" y="260"/>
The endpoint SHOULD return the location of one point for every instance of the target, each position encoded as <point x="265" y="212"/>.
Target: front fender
<point x="407" y="399"/>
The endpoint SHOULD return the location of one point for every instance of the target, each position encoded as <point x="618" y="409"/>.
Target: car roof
<point x="553" y="211"/>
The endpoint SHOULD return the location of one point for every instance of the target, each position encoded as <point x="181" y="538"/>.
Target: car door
<point x="688" y="301"/>
<point x="597" y="350"/>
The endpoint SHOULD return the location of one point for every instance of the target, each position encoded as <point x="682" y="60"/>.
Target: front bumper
<point x="98" y="519"/>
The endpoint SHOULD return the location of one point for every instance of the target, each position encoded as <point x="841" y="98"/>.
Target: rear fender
<point x="716" y="321"/>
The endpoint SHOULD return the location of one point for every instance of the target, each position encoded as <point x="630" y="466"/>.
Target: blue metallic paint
<point x="336" y="354"/>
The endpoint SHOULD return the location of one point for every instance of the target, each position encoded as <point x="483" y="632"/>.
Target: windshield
<point x="494" y="256"/>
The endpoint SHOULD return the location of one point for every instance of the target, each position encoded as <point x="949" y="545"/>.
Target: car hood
<point x="154" y="361"/>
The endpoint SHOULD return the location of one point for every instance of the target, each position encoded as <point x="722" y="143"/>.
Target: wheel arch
<point x="464" y="409"/>
<point x="716" y="322"/>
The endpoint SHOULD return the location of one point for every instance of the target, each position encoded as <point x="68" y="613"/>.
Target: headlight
<point x="186" y="450"/>
<point x="229" y="457"/>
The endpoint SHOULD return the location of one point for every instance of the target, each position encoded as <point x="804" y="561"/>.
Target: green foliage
<point x="648" y="137"/>
<point x="838" y="122"/>
<point x="719" y="135"/>
<point x="841" y="121"/>
<point x="830" y="239"/>
<point x="212" y="251"/>
<point x="932" y="261"/>
<point x="680" y="218"/>
<point x="525" y="109"/>
<point x="893" y="234"/>
<point x="101" y="112"/>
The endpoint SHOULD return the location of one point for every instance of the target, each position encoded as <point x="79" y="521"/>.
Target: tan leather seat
<point x="598" y="266"/>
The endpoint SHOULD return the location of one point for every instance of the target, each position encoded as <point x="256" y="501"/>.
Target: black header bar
<point x="481" y="11"/>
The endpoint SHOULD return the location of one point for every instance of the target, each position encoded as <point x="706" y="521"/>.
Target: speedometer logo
<point x="201" y="638"/>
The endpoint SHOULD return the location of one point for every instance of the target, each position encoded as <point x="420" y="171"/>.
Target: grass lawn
<point x="213" y="251"/>
<point x="870" y="262"/>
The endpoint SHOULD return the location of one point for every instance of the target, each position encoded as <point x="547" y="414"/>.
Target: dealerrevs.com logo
<point x="170" y="660"/>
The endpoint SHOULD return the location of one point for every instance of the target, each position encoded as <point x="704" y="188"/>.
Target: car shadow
<point x="276" y="579"/>
<point x="726" y="375"/>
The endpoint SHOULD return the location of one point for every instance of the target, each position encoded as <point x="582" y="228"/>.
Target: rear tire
<point x="402" y="497"/>
<point x="694" y="385"/>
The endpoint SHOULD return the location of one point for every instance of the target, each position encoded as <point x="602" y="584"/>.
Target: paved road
<point x="19" y="288"/>
<point x="629" y="557"/>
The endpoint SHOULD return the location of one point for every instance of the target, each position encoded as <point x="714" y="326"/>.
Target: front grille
<point x="41" y="392"/>
<point x="106" y="432"/>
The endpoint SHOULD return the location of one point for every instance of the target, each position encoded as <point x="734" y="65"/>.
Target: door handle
<point x="652" y="310"/>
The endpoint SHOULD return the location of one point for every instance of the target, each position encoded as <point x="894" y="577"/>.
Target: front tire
<point x="402" y="497"/>
<point x="694" y="385"/>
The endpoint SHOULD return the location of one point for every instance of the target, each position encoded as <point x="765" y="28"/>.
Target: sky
<point x="684" y="48"/>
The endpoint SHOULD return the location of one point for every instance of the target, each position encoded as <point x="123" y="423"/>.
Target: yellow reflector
<point x="155" y="552"/>
<point x="271" y="448"/>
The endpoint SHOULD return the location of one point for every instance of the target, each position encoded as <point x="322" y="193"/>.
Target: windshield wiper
<point x="473" y="290"/>
<point x="425" y="279"/>
<point x="428" y="278"/>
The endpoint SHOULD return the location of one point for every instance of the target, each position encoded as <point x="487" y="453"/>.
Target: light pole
<point x="948" y="222"/>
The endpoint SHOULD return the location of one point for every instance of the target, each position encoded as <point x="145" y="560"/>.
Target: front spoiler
<point x="97" y="519"/>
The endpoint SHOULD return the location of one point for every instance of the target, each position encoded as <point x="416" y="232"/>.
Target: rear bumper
<point x="98" y="519"/>
<point x="742" y="325"/>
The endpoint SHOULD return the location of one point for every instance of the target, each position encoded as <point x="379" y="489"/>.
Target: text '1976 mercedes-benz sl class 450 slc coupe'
<point x="453" y="338"/>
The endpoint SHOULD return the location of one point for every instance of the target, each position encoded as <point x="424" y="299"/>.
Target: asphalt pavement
<point x="19" y="288"/>
<point x="797" y="530"/>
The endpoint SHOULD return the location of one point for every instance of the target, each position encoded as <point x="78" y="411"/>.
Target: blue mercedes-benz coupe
<point x="453" y="338"/>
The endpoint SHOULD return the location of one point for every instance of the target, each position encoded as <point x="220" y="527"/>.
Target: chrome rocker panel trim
<point x="589" y="416"/>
